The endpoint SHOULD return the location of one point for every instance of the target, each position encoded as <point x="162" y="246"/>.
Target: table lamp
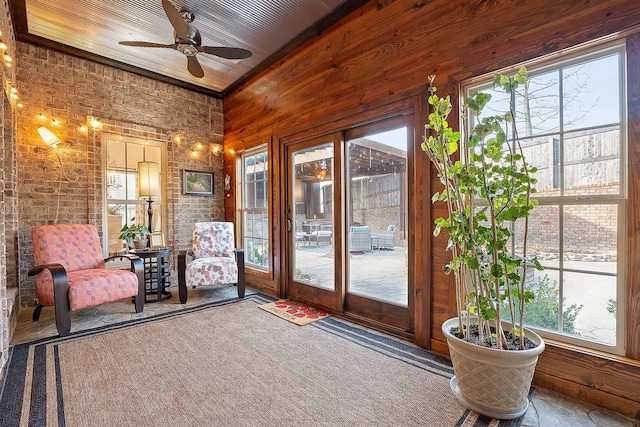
<point x="149" y="185"/>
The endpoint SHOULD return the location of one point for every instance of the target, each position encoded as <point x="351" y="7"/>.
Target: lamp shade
<point x="148" y="179"/>
<point x="48" y="137"/>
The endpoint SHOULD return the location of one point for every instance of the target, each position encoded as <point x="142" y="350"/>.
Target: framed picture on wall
<point x="157" y="240"/>
<point x="197" y="183"/>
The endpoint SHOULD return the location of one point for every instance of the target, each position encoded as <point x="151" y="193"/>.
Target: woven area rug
<point x="295" y="312"/>
<point x="226" y="363"/>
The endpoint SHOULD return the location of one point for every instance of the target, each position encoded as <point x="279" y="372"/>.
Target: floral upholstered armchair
<point x="71" y="275"/>
<point x="212" y="260"/>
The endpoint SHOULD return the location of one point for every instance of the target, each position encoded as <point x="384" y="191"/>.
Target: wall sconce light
<point x="48" y="137"/>
<point x="175" y="136"/>
<point x="216" y="149"/>
<point x="149" y="185"/>
<point x="95" y="123"/>
<point x="5" y="57"/>
<point x="14" y="95"/>
<point x="42" y="115"/>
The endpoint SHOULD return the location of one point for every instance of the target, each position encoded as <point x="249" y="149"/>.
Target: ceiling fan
<point x="188" y="41"/>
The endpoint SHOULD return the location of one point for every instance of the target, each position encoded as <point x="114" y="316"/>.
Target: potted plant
<point x="487" y="188"/>
<point x="134" y="234"/>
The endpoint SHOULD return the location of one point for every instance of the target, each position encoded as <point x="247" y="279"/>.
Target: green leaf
<point x="537" y="264"/>
<point x="496" y="270"/>
<point x="473" y="263"/>
<point x="452" y="147"/>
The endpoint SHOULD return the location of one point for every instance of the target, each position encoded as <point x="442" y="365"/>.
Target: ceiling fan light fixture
<point x="187" y="49"/>
<point x="187" y="16"/>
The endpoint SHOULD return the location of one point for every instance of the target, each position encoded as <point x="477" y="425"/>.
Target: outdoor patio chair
<point x="300" y="234"/>
<point x="71" y="275"/>
<point x="212" y="260"/>
<point x="385" y="238"/>
<point x="319" y="233"/>
<point x="359" y="238"/>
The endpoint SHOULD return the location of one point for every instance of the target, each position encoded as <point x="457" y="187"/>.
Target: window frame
<point x="242" y="209"/>
<point x="141" y="205"/>
<point x="557" y="62"/>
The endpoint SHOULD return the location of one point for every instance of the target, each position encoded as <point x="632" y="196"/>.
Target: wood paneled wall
<point x="382" y="54"/>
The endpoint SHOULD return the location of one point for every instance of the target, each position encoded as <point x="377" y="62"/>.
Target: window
<point x="570" y="118"/>
<point x="254" y="209"/>
<point x="124" y="206"/>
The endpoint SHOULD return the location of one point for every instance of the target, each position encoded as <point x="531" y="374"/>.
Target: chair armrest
<point x="135" y="261"/>
<point x="239" y="257"/>
<point x="54" y="269"/>
<point x="60" y="293"/>
<point x="183" y="254"/>
<point x="182" y="280"/>
<point x="182" y="264"/>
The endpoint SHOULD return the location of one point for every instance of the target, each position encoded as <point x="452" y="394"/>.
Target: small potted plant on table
<point x="135" y="235"/>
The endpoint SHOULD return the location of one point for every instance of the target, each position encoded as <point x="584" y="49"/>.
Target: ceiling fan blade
<point x="226" y="52"/>
<point x="147" y="44"/>
<point x="178" y="23"/>
<point x="194" y="66"/>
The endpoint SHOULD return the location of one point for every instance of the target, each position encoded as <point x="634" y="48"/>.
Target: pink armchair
<point x="212" y="260"/>
<point x="71" y="275"/>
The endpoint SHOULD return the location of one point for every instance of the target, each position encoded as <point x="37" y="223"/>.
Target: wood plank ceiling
<point x="92" y="29"/>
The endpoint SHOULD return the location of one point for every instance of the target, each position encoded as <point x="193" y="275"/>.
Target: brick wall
<point x="588" y="229"/>
<point x="378" y="203"/>
<point x="8" y="216"/>
<point x="74" y="90"/>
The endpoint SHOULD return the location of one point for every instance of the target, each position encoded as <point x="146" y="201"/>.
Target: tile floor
<point x="547" y="409"/>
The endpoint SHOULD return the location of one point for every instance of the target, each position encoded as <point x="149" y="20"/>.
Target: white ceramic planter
<point x="489" y="381"/>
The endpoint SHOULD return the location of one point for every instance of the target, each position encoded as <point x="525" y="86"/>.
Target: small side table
<point x="156" y="272"/>
<point x="375" y="242"/>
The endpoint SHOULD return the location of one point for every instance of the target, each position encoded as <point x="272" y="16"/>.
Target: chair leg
<point x="63" y="313"/>
<point x="61" y="303"/>
<point x="241" y="282"/>
<point x="182" y="292"/>
<point x="36" y="313"/>
<point x="63" y="322"/>
<point x="182" y="281"/>
<point x="139" y="302"/>
<point x="138" y="268"/>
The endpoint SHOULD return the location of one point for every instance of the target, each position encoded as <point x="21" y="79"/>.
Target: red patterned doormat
<point x="295" y="312"/>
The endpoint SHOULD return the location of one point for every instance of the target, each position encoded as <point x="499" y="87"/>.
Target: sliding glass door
<point x="377" y="280"/>
<point x="347" y="222"/>
<point x="312" y="259"/>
